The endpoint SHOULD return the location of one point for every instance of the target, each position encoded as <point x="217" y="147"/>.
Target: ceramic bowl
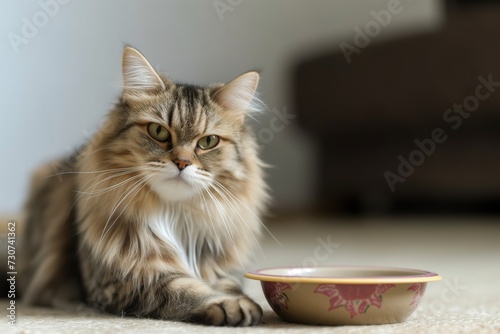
<point x="343" y="295"/>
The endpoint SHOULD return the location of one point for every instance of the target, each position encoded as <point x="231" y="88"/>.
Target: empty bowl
<point x="343" y="295"/>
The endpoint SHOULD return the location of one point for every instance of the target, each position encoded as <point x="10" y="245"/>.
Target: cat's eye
<point x="208" y="142"/>
<point x="158" y="132"/>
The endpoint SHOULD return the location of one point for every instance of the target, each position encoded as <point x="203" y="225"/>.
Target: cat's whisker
<point x="106" y="229"/>
<point x="128" y="191"/>
<point x="150" y="188"/>
<point x="123" y="171"/>
<point x="92" y="193"/>
<point x="87" y="172"/>
<point x="200" y="189"/>
<point x="224" y="198"/>
<point x="215" y="235"/>
<point x="80" y="195"/>
<point x="129" y="170"/>
<point x="227" y="223"/>
<point x="217" y="183"/>
<point x="242" y="220"/>
<point x="101" y="191"/>
<point x="142" y="184"/>
<point x="223" y="214"/>
<point x="239" y="216"/>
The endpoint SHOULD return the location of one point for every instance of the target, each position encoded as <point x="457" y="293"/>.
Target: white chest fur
<point x="201" y="227"/>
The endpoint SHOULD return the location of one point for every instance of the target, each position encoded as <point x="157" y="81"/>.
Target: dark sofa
<point x="411" y="123"/>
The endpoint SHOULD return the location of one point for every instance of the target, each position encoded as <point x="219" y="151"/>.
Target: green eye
<point x="158" y="132"/>
<point x="208" y="142"/>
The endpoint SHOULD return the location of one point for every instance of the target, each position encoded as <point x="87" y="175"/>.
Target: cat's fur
<point x="157" y="229"/>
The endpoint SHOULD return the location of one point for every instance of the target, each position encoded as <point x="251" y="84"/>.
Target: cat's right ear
<point x="239" y="94"/>
<point x="139" y="77"/>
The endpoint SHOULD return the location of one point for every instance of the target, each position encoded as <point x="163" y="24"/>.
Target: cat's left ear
<point x="139" y="77"/>
<point x="239" y="94"/>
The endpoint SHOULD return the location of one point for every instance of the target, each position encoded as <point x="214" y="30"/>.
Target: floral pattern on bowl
<point x="419" y="289"/>
<point x="273" y="292"/>
<point x="355" y="298"/>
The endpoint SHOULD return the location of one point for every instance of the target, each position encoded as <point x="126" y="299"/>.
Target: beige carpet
<point x="466" y="252"/>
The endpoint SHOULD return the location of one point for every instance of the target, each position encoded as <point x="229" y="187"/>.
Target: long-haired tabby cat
<point x="156" y="214"/>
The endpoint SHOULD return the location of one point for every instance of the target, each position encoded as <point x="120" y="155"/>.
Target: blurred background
<point x="364" y="97"/>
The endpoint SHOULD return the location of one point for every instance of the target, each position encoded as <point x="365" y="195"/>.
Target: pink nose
<point x="182" y="163"/>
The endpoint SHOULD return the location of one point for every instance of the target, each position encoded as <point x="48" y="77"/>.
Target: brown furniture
<point x="366" y="114"/>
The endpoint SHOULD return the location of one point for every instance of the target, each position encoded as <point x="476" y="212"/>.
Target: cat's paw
<point x="231" y="311"/>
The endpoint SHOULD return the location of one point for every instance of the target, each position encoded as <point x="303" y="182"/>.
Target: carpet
<point x="464" y="251"/>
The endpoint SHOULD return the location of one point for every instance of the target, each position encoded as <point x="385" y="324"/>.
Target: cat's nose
<point x="182" y="163"/>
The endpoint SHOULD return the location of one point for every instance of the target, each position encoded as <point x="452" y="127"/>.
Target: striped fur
<point x="152" y="228"/>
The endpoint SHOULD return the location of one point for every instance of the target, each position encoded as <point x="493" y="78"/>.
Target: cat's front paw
<point x="231" y="311"/>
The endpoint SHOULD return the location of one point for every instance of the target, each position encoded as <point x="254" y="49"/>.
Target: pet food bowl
<point x="343" y="295"/>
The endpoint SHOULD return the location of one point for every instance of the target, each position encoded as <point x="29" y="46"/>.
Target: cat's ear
<point x="139" y="77"/>
<point x="239" y="94"/>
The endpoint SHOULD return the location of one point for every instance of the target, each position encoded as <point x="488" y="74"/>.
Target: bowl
<point x="343" y="295"/>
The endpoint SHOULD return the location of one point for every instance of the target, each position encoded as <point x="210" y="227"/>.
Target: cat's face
<point x="182" y="140"/>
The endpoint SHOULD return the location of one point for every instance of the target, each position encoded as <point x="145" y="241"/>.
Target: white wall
<point x="60" y="83"/>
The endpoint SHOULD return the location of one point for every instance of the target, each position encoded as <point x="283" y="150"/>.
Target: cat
<point x="157" y="214"/>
